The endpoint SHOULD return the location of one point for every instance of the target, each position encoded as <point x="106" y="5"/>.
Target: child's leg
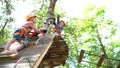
<point x="14" y="51"/>
<point x="23" y="43"/>
<point x="12" y="40"/>
<point x="21" y="46"/>
<point x="6" y="49"/>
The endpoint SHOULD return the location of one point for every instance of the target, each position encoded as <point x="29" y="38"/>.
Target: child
<point x="58" y="27"/>
<point x="20" y="35"/>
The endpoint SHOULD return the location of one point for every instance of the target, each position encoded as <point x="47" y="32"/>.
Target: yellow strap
<point x="25" y="29"/>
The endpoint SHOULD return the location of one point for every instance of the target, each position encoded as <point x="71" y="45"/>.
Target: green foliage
<point x="41" y="15"/>
<point x="83" y="34"/>
<point x="59" y="11"/>
<point x="4" y="36"/>
<point x="6" y="8"/>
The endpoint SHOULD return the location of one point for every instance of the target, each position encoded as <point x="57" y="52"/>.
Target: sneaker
<point x="14" y="55"/>
<point x="14" y="51"/>
<point x="7" y="52"/>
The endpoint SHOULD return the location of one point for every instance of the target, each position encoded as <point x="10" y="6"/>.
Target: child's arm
<point x="59" y="26"/>
<point x="34" y="28"/>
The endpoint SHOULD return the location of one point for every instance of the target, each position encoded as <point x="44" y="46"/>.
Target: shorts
<point x="25" y="42"/>
<point x="20" y="37"/>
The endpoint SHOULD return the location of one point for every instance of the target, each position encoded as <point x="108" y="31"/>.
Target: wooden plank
<point x="60" y="58"/>
<point x="54" y="63"/>
<point x="81" y="56"/>
<point x="57" y="48"/>
<point x="38" y="61"/>
<point x="5" y="57"/>
<point x="1" y="49"/>
<point x="100" y="60"/>
<point x="32" y="53"/>
<point x="58" y="19"/>
<point x="61" y="41"/>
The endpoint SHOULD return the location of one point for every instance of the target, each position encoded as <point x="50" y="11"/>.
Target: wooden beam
<point x="59" y="51"/>
<point x="60" y="58"/>
<point x="56" y="49"/>
<point x="100" y="60"/>
<point x="47" y="64"/>
<point x="58" y="19"/>
<point x="1" y="49"/>
<point x="118" y="66"/>
<point x="81" y="56"/>
<point x="37" y="63"/>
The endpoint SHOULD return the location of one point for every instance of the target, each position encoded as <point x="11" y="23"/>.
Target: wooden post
<point x="100" y="60"/>
<point x="118" y="66"/>
<point x="81" y="56"/>
<point x="58" y="19"/>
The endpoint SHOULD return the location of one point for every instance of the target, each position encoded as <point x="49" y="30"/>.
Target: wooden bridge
<point x="50" y="51"/>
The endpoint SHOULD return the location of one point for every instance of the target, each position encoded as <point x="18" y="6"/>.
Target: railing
<point x="21" y="60"/>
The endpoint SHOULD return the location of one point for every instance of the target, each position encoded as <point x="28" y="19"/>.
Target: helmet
<point x="29" y="16"/>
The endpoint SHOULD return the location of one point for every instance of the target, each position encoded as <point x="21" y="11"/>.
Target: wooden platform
<point x="30" y="57"/>
<point x="56" y="55"/>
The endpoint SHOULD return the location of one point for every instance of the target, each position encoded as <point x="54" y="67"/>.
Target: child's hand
<point x="29" y="35"/>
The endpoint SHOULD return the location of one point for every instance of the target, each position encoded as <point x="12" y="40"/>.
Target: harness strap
<point x="26" y="30"/>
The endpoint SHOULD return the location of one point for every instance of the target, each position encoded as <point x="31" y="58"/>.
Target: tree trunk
<point x="50" y="12"/>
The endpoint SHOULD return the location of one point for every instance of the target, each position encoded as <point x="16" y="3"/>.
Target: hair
<point x="30" y="16"/>
<point x="63" y="22"/>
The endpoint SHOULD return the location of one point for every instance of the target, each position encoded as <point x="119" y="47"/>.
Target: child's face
<point x="35" y="19"/>
<point x="62" y="23"/>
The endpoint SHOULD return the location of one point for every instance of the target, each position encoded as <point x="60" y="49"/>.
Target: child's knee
<point x="24" y="42"/>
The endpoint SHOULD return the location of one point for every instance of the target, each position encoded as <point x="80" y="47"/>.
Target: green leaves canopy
<point x="93" y="33"/>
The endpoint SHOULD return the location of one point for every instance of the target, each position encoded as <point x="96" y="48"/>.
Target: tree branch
<point x="101" y="44"/>
<point x="3" y="27"/>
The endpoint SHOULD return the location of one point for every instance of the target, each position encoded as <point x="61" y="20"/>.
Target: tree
<point x="42" y="15"/>
<point x="5" y="19"/>
<point x="87" y="33"/>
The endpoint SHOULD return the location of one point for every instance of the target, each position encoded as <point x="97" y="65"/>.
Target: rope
<point x="95" y="63"/>
<point x="105" y="57"/>
<point x="21" y="60"/>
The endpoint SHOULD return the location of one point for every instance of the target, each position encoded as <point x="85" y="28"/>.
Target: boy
<point x="20" y="34"/>
<point x="58" y="28"/>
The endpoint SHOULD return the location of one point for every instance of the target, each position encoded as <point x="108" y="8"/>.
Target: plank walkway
<point x="30" y="57"/>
